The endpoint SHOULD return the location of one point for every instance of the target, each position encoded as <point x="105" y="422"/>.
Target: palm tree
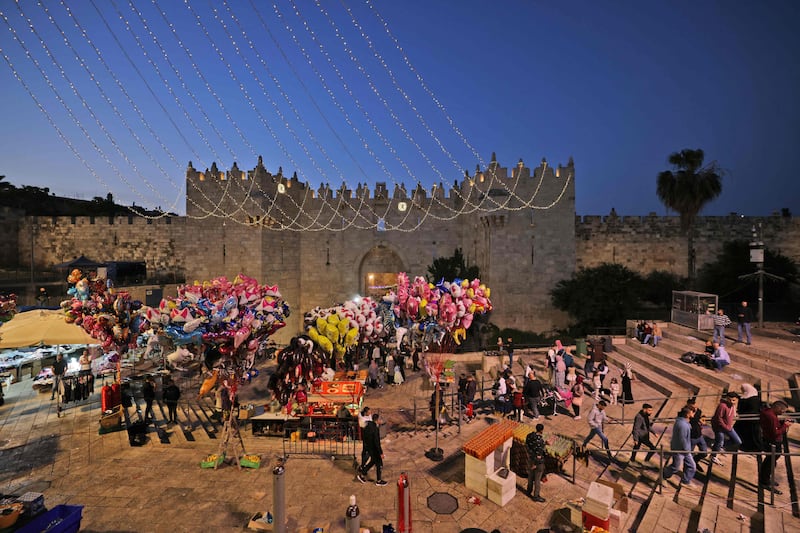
<point x="687" y="190"/>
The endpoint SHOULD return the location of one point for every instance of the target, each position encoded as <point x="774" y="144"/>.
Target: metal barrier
<point x="325" y="437"/>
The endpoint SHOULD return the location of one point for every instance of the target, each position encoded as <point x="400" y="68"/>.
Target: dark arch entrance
<point x="378" y="271"/>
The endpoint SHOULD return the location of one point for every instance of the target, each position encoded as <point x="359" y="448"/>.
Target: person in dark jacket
<point x="171" y="396"/>
<point x="149" y="394"/>
<point x="744" y="315"/>
<point x="696" y="437"/>
<point x="536" y="447"/>
<point x="532" y="391"/>
<point x="773" y="429"/>
<point x="746" y="425"/>
<point x="641" y="432"/>
<point x="372" y="443"/>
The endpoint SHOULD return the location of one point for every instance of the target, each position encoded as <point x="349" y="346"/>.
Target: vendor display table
<point x="269" y="424"/>
<point x="559" y="448"/>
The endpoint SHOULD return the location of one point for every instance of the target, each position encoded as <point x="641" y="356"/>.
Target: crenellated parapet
<point x="288" y="203"/>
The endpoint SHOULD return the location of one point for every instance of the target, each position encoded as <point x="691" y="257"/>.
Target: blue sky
<point x="616" y="85"/>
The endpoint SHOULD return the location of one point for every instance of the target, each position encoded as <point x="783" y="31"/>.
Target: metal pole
<point x="415" y="414"/>
<point x="574" y="460"/>
<point x="772" y="460"/>
<point x="761" y="295"/>
<point x="279" y="497"/>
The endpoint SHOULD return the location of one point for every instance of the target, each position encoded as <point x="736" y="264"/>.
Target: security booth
<point x="694" y="309"/>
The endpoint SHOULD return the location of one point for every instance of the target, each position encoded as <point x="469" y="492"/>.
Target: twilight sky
<point x="119" y="95"/>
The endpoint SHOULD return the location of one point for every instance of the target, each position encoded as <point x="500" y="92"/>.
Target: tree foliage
<point x="722" y="276"/>
<point x="452" y="267"/>
<point x="686" y="189"/>
<point x="658" y="286"/>
<point x="602" y="296"/>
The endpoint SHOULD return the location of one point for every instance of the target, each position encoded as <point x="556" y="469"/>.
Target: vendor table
<point x="269" y="424"/>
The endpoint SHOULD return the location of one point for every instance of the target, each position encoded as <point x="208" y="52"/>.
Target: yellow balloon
<point x="313" y="334"/>
<point x="471" y="293"/>
<point x="460" y="332"/>
<point x="332" y="332"/>
<point x="351" y="338"/>
<point x="472" y="308"/>
<point x="333" y="319"/>
<point x="488" y="292"/>
<point x="321" y="323"/>
<point x="465" y="283"/>
<point x="343" y="326"/>
<point x="326" y="345"/>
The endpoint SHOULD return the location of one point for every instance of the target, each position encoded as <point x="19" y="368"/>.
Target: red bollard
<point x="404" y="504"/>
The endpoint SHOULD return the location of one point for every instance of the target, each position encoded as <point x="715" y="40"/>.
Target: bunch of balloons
<point x="336" y="329"/>
<point x="109" y="316"/>
<point x="8" y="307"/>
<point x="300" y="363"/>
<point x="229" y="320"/>
<point x="445" y="307"/>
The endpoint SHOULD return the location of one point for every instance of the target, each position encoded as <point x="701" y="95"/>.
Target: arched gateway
<point x="378" y="271"/>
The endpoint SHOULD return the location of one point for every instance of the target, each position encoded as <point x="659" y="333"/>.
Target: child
<point x="597" y="384"/>
<point x="614" y="390"/>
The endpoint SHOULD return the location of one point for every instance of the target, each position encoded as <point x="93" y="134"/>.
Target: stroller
<point x="553" y="398"/>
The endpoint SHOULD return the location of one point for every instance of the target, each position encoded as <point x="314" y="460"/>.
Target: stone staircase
<point x="714" y="502"/>
<point x="196" y="423"/>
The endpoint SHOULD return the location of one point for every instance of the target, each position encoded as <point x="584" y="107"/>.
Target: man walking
<point x="59" y="367"/>
<point x="510" y="350"/>
<point x="532" y="391"/>
<point x="721" y="321"/>
<point x="680" y="446"/>
<point x="535" y="444"/>
<point x="744" y="315"/>
<point x="171" y="396"/>
<point x="696" y="436"/>
<point x="597" y="418"/>
<point x="641" y="432"/>
<point x="372" y="443"/>
<point x="722" y="424"/>
<point x="773" y="429"/>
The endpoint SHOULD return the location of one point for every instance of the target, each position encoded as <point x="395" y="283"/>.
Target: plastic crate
<point x="59" y="519"/>
<point x="212" y="462"/>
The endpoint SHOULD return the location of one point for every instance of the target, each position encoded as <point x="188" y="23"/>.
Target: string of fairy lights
<point x="332" y="126"/>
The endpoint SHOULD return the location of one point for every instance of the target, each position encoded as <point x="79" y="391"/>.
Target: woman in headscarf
<point x="577" y="397"/>
<point x="747" y="425"/>
<point x="627" y="391"/>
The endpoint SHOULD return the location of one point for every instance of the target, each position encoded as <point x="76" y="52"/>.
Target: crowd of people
<point x="740" y="421"/>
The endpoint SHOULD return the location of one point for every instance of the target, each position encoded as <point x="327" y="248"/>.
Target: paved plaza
<point x="160" y="486"/>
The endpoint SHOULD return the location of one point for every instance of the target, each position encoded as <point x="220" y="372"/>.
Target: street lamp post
<point x="757" y="257"/>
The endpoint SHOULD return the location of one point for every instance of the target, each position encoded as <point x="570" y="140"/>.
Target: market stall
<point x="558" y="450"/>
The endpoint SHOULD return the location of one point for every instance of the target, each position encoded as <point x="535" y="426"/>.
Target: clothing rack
<point x="74" y="390"/>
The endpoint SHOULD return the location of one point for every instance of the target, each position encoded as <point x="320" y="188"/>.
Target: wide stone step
<point x="739" y="370"/>
<point x="664" y="515"/>
<point x="683" y="382"/>
<point x="751" y="368"/>
<point x="668" y="367"/>
<point x="715" y="517"/>
<point x="772" y="352"/>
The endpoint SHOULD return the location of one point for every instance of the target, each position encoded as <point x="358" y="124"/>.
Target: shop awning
<point x="79" y="262"/>
<point x="41" y="327"/>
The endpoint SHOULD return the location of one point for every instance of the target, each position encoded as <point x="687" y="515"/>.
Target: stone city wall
<point x="250" y="222"/>
<point x="649" y="243"/>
